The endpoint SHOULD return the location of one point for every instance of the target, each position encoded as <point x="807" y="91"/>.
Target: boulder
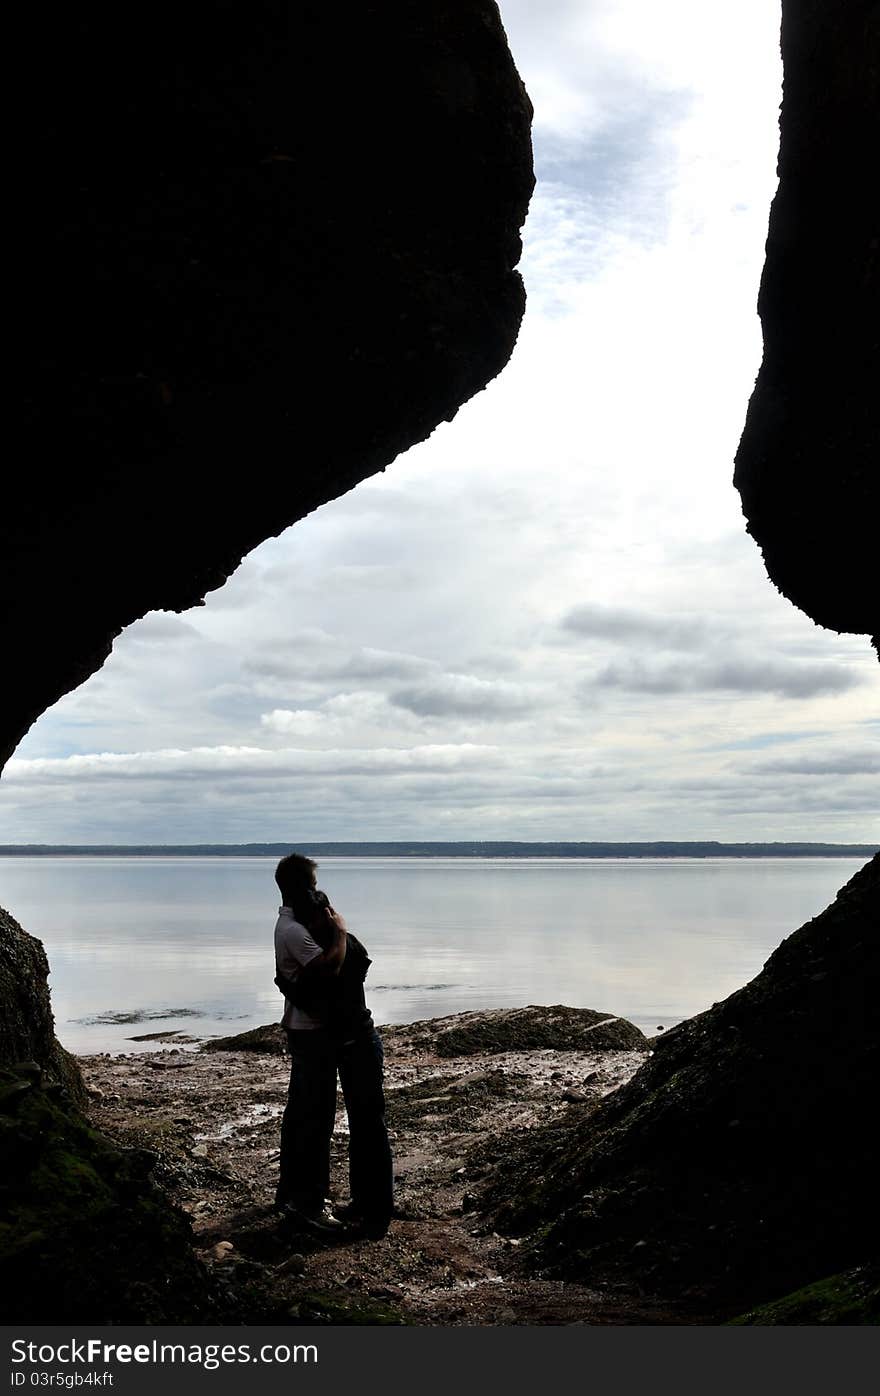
<point x="269" y="1038"/>
<point x="535" y="1029"/>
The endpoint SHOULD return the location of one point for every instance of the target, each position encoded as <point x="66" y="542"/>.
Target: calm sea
<point x="186" y="943"/>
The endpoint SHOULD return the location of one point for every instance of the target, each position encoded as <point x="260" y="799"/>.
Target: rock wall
<point x="268" y="246"/>
<point x="807" y="466"/>
<point x="738" y="1164"/>
<point x="27" y="1028"/>
<point x="85" y="1235"/>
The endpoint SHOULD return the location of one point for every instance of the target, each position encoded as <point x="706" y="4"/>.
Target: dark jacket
<point x="337" y="1000"/>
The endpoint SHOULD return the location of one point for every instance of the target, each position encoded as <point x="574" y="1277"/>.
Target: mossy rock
<point x="538" y="1028"/>
<point x="269" y="1038"/>
<point x="851" y="1298"/>
<point x="27" y="1028"/>
<point x="85" y="1236"/>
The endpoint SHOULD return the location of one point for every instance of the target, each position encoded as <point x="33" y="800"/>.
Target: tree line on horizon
<point x="472" y="848"/>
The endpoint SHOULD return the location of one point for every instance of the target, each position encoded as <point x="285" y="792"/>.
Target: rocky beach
<point x="460" y="1091"/>
<point x="553" y="1164"/>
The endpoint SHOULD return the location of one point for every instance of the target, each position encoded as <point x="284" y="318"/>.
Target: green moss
<point x="537" y="1029"/>
<point x="84" y="1234"/>
<point x="851" y="1298"/>
<point x="335" y="1310"/>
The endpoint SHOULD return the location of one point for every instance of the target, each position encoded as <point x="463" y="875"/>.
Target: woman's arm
<point x="332" y="936"/>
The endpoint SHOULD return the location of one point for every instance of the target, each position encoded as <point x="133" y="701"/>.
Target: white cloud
<point x="252" y="762"/>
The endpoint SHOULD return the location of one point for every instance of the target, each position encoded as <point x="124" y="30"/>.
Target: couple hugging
<point x="320" y="969"/>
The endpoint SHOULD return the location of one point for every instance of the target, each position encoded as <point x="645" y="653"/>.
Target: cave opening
<point x="546" y="617"/>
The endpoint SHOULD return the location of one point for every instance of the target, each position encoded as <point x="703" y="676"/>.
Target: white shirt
<point x="294" y="949"/>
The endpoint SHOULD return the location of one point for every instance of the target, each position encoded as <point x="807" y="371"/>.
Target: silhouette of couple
<point x="320" y="968"/>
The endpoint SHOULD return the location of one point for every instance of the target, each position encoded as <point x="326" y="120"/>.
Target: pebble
<point x="222" y="1250"/>
<point x="199" y="1151"/>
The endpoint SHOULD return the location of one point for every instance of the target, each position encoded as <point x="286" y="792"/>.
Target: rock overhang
<point x="268" y="248"/>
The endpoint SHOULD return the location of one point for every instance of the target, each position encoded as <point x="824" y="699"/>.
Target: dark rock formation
<point x="76" y="1212"/>
<point x="268" y="246"/>
<point x="807" y="467"/>
<point x="84" y="1234"/>
<point x="738" y="1163"/>
<point x="27" y="1028"/>
<point x="851" y="1299"/>
<point x="534" y="1029"/>
<point x="486" y="1030"/>
<point x="270" y="1038"/>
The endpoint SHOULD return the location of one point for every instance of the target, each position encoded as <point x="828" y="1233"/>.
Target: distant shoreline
<point x="458" y="849"/>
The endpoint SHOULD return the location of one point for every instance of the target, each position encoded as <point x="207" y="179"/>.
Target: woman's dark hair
<point x="296" y="876"/>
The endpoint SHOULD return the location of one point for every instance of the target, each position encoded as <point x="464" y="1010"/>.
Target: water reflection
<point x="654" y="940"/>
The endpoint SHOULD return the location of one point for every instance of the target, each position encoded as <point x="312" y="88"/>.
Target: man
<point x="321" y="968"/>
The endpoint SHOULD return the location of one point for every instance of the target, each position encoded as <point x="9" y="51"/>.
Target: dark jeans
<point x="307" y="1126"/>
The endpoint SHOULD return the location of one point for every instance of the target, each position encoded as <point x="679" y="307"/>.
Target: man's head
<point x="295" y="874"/>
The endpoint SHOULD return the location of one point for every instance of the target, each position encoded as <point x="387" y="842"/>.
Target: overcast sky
<point x="547" y="621"/>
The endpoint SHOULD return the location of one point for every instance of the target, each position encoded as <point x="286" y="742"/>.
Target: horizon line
<point x="453" y="847"/>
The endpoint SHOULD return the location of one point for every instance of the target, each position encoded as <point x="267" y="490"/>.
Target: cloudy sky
<point x="547" y="621"/>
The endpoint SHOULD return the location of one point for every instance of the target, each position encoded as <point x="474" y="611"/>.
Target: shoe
<point x="348" y="1213"/>
<point x="370" y="1228"/>
<point x="370" y="1224"/>
<point x="319" y="1220"/>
